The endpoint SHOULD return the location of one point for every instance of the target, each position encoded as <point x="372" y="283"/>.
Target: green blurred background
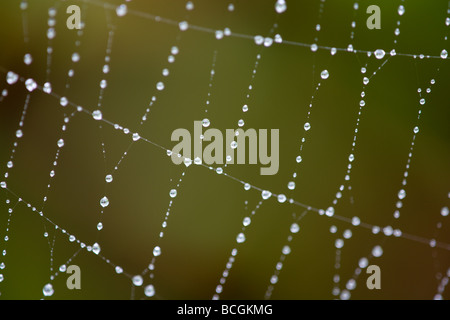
<point x="208" y="211"/>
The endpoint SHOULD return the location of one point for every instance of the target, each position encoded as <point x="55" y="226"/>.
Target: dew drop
<point x="307" y="126"/>
<point x="156" y="251"/>
<point x="324" y="74"/>
<point x="281" y="198"/>
<point x="266" y="194"/>
<point x="121" y="10"/>
<point x="150" y="289"/>
<point x="295" y="228"/>
<point x="27" y="59"/>
<point x="173" y="193"/>
<point x="48" y="290"/>
<point x="138" y="281"/>
<point x="30" y="84"/>
<point x="379" y="53"/>
<point x="104" y="202"/>
<point x="291" y="185"/>
<point x="11" y="77"/>
<point x="377" y="251"/>
<point x="96" y="248"/>
<point x="97" y="115"/>
<point x="183" y="25"/>
<point x="280" y="6"/>
<point x="206" y="123"/>
<point x="240" y="238"/>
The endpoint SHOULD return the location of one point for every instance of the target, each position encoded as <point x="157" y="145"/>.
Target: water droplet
<point x="97" y="115"/>
<point x="233" y="144"/>
<point x="174" y="50"/>
<point x="377" y="251"/>
<point x="156" y="251"/>
<point x="351" y="157"/>
<point x="347" y="234"/>
<point x="247" y="186"/>
<point x="206" y="122"/>
<point x="47" y="87"/>
<point x="259" y="40"/>
<point x="351" y="284"/>
<point x="75" y="57"/>
<point x="307" y="126"/>
<point x="99" y="226"/>
<point x="416" y="129"/>
<point x="19" y="133"/>
<point x="27" y="59"/>
<point x="286" y="250"/>
<point x="109" y="178"/>
<point x="295" y="228"/>
<point x="444" y="211"/>
<point x="31" y="85"/>
<point x="61" y="143"/>
<point x="314" y="47"/>
<point x="219" y="34"/>
<point x="136" y="136"/>
<point x="266" y="194"/>
<point x="298" y="159"/>
<point x="150" y="290"/>
<point x="48" y="290"/>
<point x="278" y="38"/>
<point x="281" y="198"/>
<point x="422" y="101"/>
<point x="103" y="84"/>
<point x="339" y="243"/>
<point x="401" y="10"/>
<point x="333" y="51"/>
<point x="379" y="53"/>
<point x="240" y="238"/>
<point x="189" y="6"/>
<point x="246" y="221"/>
<point x="3" y="185"/>
<point x="96" y="248"/>
<point x="119" y="270"/>
<point x="160" y="86"/>
<point x="104" y="202"/>
<point x="121" y="10"/>
<point x="268" y="42"/>
<point x="280" y="6"/>
<point x="63" y="101"/>
<point x="365" y="80"/>
<point x="173" y="193"/>
<point x="444" y="54"/>
<point x="329" y="212"/>
<point x="138" y="281"/>
<point x="183" y="25"/>
<point x="291" y="185"/>
<point x="11" y="77"/>
<point x="324" y="74"/>
<point x="356" y="221"/>
<point x="363" y="262"/>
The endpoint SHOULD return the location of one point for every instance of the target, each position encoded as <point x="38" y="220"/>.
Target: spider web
<point x="87" y="115"/>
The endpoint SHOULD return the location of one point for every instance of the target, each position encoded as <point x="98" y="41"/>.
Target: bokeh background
<point x="208" y="211"/>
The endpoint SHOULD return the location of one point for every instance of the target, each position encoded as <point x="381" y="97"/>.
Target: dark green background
<point x="208" y="211"/>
